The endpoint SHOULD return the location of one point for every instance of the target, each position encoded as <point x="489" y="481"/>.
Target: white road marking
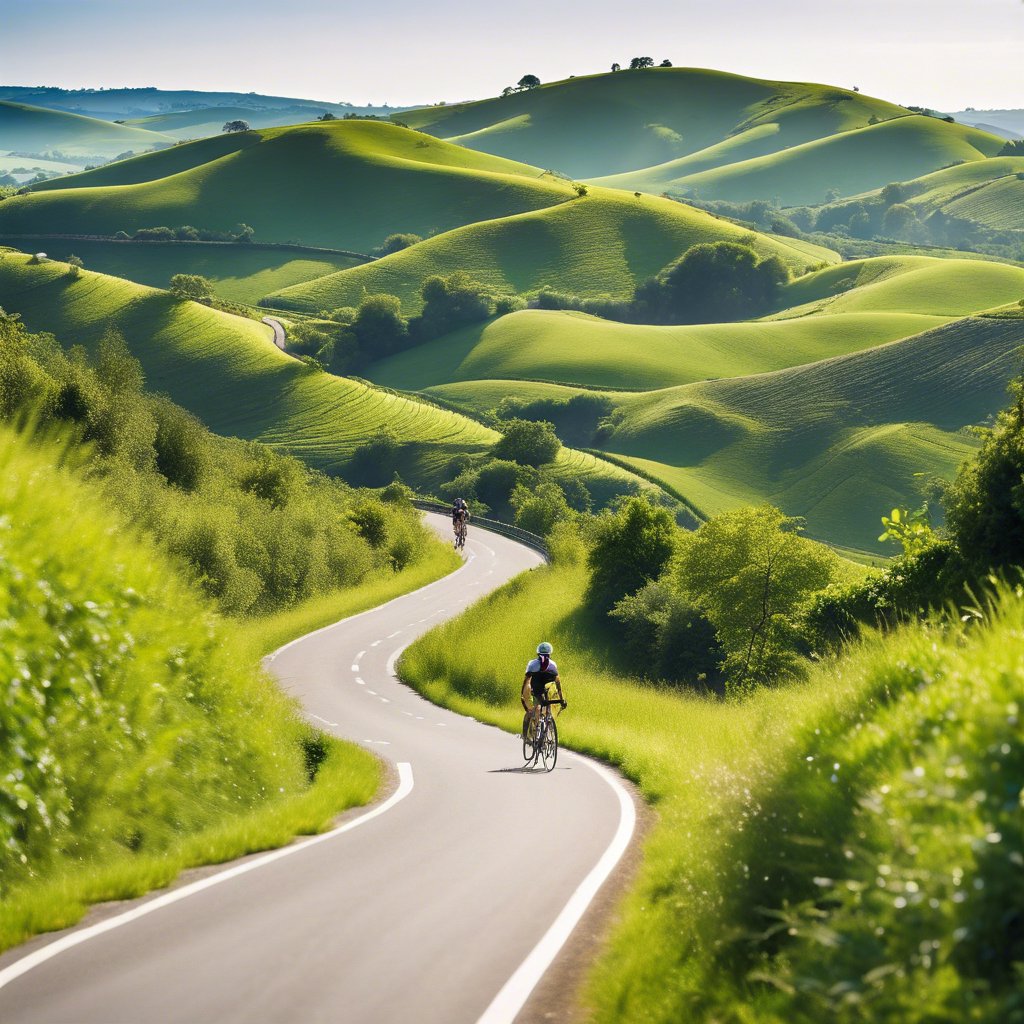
<point x="360" y="680"/>
<point x="509" y="1001"/>
<point x="382" y="743"/>
<point x="419" y="718"/>
<point x="384" y="700"/>
<point x="40" y="956"/>
<point x="376" y="643"/>
<point x="360" y="655"/>
<point x="409" y="713"/>
<point x="324" y="720"/>
<point x="391" y="635"/>
<point x="374" y="692"/>
<point x="355" y="668"/>
<point x="390" y="666"/>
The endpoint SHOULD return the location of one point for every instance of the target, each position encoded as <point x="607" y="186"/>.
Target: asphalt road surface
<point x="445" y="905"/>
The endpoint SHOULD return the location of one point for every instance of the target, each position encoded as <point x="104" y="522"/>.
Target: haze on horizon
<point x="946" y="54"/>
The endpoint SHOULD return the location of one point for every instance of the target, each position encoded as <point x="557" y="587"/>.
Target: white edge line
<point x="40" y="956"/>
<point x="512" y="997"/>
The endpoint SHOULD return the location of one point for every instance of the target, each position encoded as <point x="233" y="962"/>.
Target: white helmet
<point x="544" y="648"/>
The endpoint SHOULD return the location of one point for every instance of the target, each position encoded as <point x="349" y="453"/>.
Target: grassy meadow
<point x="830" y="849"/>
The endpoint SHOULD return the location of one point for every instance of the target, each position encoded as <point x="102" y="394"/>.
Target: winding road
<point x="444" y="904"/>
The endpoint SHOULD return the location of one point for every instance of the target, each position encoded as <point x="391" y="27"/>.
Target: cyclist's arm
<point x="525" y="692"/>
<point x="558" y="683"/>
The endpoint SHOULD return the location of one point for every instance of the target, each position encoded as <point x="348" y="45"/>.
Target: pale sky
<point x="945" y="54"/>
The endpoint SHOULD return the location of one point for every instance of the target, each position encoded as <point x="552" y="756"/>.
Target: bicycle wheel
<point x="549" y="745"/>
<point x="527" y="738"/>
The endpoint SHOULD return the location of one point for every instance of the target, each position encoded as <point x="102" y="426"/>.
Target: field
<point x="780" y="816"/>
<point x="605" y="242"/>
<point x="80" y="139"/>
<point x="226" y="370"/>
<point x="719" y="136"/>
<point x="721" y="413"/>
<point x="340" y="184"/>
<point x="239" y="273"/>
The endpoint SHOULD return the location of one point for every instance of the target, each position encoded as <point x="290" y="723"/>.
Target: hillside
<point x="605" y="242"/>
<point x="239" y="273"/>
<point x="341" y="184"/>
<point x="706" y="133"/>
<point x="77" y="139"/>
<point x="227" y="371"/>
<point x="848" y="162"/>
<point x="201" y="122"/>
<point x="613" y="123"/>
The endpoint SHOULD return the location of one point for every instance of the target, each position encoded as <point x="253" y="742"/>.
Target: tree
<point x="539" y="508"/>
<point x="507" y="91"/>
<point x="528" y="442"/>
<point x="192" y="287"/>
<point x="528" y="82"/>
<point x="641" y="62"/>
<point x="379" y="326"/>
<point x="750" y="572"/>
<point x="665" y="63"/>
<point x="580" y="190"/>
<point x="616" y="67"/>
<point x="450" y="302"/>
<point x="75" y="265"/>
<point x="243" y="233"/>
<point x="900" y="220"/>
<point x="632" y="547"/>
<point x="235" y="126"/>
<point x="396" y="243"/>
<point x="327" y="116"/>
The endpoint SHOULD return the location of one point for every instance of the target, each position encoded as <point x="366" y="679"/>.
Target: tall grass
<point x="846" y="848"/>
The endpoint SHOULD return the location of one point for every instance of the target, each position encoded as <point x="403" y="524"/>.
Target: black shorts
<point x="539" y="687"/>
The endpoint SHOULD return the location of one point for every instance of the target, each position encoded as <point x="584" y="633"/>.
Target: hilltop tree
<point x="666" y="63"/>
<point x="528" y="82"/>
<point x="641" y="62"/>
<point x="327" y="116"/>
<point x="616" y="67"/>
<point x="192" y="287"/>
<point x="507" y="91"/>
<point x="235" y="126"/>
<point x="528" y="442"/>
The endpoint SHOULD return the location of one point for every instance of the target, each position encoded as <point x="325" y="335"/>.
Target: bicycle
<point x="540" y="738"/>
<point x="460" y="535"/>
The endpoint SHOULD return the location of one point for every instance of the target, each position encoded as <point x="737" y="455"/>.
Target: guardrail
<point x="531" y="540"/>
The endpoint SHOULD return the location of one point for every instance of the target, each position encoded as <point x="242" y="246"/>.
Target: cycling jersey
<point x="539" y="678"/>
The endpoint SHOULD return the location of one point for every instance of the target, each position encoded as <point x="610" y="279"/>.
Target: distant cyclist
<point x="460" y="515"/>
<point x="541" y="673"/>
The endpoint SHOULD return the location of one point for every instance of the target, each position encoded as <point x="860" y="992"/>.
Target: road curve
<point x="439" y="910"/>
<point x="280" y="338"/>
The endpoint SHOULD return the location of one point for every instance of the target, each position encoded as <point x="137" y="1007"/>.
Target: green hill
<point x="849" y="162"/>
<point x="226" y="370"/>
<point x="605" y="242"/>
<point x="341" y="184"/>
<point x="78" y="139"/>
<point x="201" y="122"/>
<point x="239" y="273"/>
<point x="612" y="123"/>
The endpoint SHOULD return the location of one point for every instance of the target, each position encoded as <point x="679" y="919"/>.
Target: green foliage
<point x="528" y="442"/>
<point x="750" y="573"/>
<point x="911" y="530"/>
<point x="451" y="302"/>
<point x="235" y="126"/>
<point x="192" y="287"/>
<point x="630" y="548"/>
<point x="379" y="326"/>
<point x="541" y="508"/>
<point x="396" y="243"/>
<point x="711" y="282"/>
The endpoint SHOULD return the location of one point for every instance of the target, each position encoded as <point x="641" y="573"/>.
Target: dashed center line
<point x="324" y="720"/>
<point x="374" y="692"/>
<point x="390" y="635"/>
<point x="361" y="682"/>
<point x="355" y="668"/>
<point x="360" y="655"/>
<point x="375" y="643"/>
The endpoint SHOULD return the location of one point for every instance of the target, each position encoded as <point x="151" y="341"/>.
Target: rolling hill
<point x="342" y="184"/>
<point x="605" y="242"/>
<point x="202" y="122"/>
<point x="689" y="130"/>
<point x="77" y="139"/>
<point x="226" y="370"/>
<point x="239" y="273"/>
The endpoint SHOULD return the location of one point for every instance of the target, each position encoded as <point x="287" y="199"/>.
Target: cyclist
<point x="541" y="672"/>
<point x="460" y="515"/>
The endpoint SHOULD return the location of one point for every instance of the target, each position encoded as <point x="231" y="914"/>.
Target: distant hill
<point x="111" y="104"/>
<point x="1008" y="123"/>
<point x="70" y="138"/>
<point x="717" y="135"/>
<point x="341" y="184"/>
<point x="205" y="121"/>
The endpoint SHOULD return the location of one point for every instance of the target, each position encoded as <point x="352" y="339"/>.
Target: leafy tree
<point x="528" y="82"/>
<point x="507" y="91"/>
<point x="616" y="67"/>
<point x="711" y="282"/>
<point x="750" y="573"/>
<point x="327" y="116"/>
<point x="900" y="220"/>
<point x="183" y="455"/>
<point x="632" y="546"/>
<point x="235" y="126"/>
<point x="379" y="326"/>
<point x="450" y="302"/>
<point x="893" y="193"/>
<point x="1013" y="147"/>
<point x="539" y="509"/>
<point x="242" y="233"/>
<point x="579" y="189"/>
<point x="396" y="243"/>
<point x="75" y="265"/>
<point x="528" y="442"/>
<point x="641" y="62"/>
<point x="665" y="63"/>
<point x="192" y="287"/>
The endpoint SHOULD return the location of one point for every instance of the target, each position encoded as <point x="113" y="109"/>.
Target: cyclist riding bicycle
<point x="459" y="513"/>
<point x="541" y="676"/>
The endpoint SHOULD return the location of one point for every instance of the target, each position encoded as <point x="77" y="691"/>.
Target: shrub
<point x="396" y="243"/>
<point x="528" y="442"/>
<point x="191" y="287"/>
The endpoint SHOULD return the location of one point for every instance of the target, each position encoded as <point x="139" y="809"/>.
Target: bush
<point x="191" y="287"/>
<point x="541" y="508"/>
<point x="396" y="243"/>
<point x="379" y="327"/>
<point x="528" y="442"/>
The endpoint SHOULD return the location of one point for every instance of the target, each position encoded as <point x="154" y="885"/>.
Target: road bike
<point x="540" y="737"/>
<point x="460" y="535"/>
